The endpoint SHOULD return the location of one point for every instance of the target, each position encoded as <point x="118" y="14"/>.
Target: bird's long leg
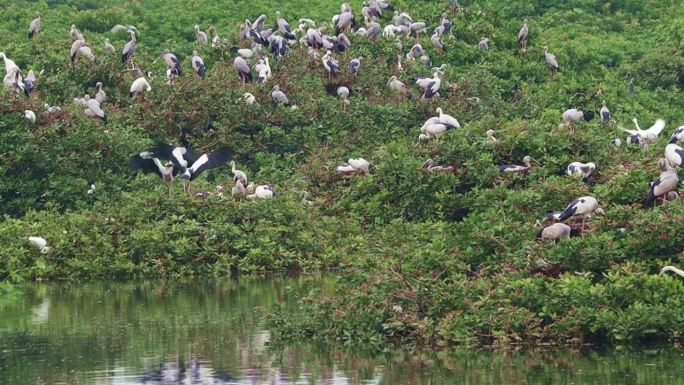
<point x="583" y="222"/>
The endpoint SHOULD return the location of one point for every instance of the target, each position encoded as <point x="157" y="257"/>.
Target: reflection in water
<point x="168" y="333"/>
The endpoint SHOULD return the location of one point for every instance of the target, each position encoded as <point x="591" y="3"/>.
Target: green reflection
<point x="208" y="332"/>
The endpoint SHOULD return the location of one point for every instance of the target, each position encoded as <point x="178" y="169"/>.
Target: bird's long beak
<point x="535" y="161"/>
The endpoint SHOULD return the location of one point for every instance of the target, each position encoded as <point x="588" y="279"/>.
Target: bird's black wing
<point x="651" y="197"/>
<point x="570" y="210"/>
<point x="137" y="162"/>
<point x="215" y="159"/>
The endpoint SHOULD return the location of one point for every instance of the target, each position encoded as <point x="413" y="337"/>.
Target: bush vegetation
<point x="426" y="258"/>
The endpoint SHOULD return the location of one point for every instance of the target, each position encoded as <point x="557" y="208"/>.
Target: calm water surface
<point x="209" y="333"/>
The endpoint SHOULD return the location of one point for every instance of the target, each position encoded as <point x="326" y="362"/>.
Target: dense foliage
<point x="433" y="258"/>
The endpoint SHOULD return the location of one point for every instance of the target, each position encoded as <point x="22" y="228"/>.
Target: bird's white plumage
<point x="39" y="243"/>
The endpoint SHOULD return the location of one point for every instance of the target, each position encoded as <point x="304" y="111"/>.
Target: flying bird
<point x="649" y="134"/>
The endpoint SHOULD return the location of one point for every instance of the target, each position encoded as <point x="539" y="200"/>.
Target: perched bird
<point x="447" y="120"/>
<point x="284" y="27"/>
<point x="278" y="96"/>
<point x="616" y="143"/>
<point x="491" y="135"/>
<point x="140" y="86"/>
<point x="355" y="64"/>
<point x="100" y="96"/>
<point x="557" y="231"/>
<point x="109" y="48"/>
<point x="238" y="191"/>
<point x="10" y="65"/>
<point x="631" y="87"/>
<point x="75" y="50"/>
<point x="357" y="166"/>
<point x="650" y="134"/>
<point x="249" y="98"/>
<point x="666" y="182"/>
<point x="551" y="60"/>
<point x="74" y="33"/>
<point x="581" y="207"/>
<point x="432" y="88"/>
<point x="29" y="83"/>
<point x="482" y="45"/>
<point x="604" y="113"/>
<point x="129" y="49"/>
<point x="674" y="155"/>
<point x="13" y="82"/>
<point x="343" y="93"/>
<point x="243" y="70"/>
<point x="30" y="116"/>
<point x="522" y="36"/>
<point x="238" y="175"/>
<point x="263" y="191"/>
<point x="514" y="168"/>
<point x="200" y="36"/>
<point x="40" y="244"/>
<point x="573" y="115"/>
<point x="396" y="86"/>
<point x="215" y="40"/>
<point x="198" y="64"/>
<point x="436" y="40"/>
<point x="676" y="137"/>
<point x="34" y="27"/>
<point x="172" y="62"/>
<point x="331" y="65"/>
<point x="581" y="170"/>
<point x="94" y="110"/>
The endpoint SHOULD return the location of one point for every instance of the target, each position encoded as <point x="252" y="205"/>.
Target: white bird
<point x="12" y="81"/>
<point x="331" y="65"/>
<point x="666" y="182"/>
<point x="139" y="86"/>
<point x="262" y="191"/>
<point x="30" y="116"/>
<point x="238" y="175"/>
<point x="573" y="115"/>
<point x="491" y="135"/>
<point x="109" y="48"/>
<point x="200" y="36"/>
<point x="579" y="169"/>
<point x="101" y="95"/>
<point x="581" y="207"/>
<point x="87" y="52"/>
<point x="650" y="134"/>
<point x="604" y="113"/>
<point x="215" y="40"/>
<point x="92" y="189"/>
<point x="355" y="64"/>
<point x="672" y="269"/>
<point x="355" y="165"/>
<point x="343" y="93"/>
<point x="198" y="64"/>
<point x="522" y="36"/>
<point x="556" y="231"/>
<point x="249" y="98"/>
<point x="515" y="168"/>
<point x="74" y="33"/>
<point x="238" y="191"/>
<point x="447" y="120"/>
<point x="75" y="50"/>
<point x="129" y="49"/>
<point x="242" y="69"/>
<point x="172" y="62"/>
<point x="40" y="244"/>
<point x="551" y="60"/>
<point x="676" y="137"/>
<point x="674" y="155"/>
<point x="10" y="65"/>
<point x="432" y="87"/>
<point x="483" y="44"/>
<point x="396" y="86"/>
<point x="278" y="96"/>
<point x="94" y="110"/>
<point x="34" y="27"/>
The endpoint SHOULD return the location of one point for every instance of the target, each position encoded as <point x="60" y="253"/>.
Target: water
<point x="208" y="333"/>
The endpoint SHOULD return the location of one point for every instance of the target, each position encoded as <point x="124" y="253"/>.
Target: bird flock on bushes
<point x="327" y="44"/>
